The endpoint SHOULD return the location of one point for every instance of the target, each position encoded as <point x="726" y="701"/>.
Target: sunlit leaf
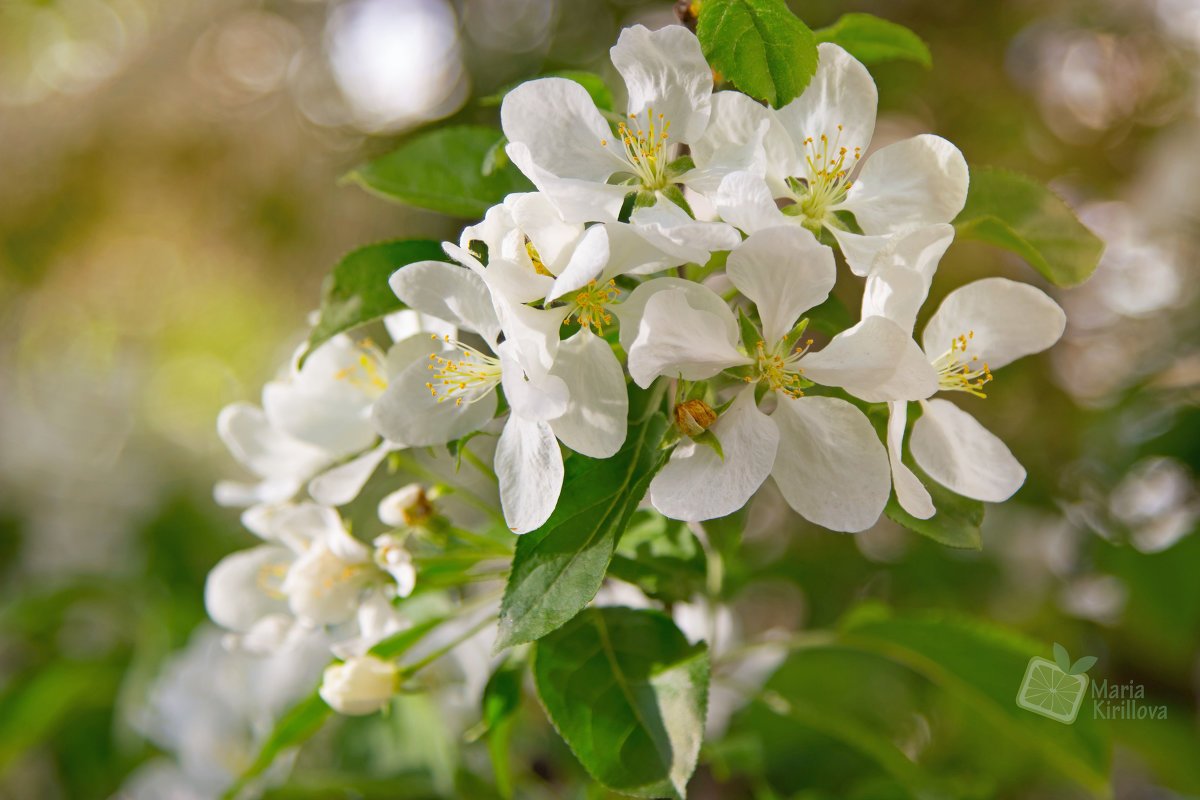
<point x="871" y="39"/>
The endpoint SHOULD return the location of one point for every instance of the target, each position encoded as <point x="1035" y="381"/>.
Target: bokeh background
<point x="169" y="204"/>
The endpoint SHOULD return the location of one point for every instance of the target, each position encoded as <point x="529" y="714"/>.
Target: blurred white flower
<point x="362" y="685"/>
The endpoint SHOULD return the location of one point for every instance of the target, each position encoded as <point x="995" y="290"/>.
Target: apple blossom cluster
<point x="677" y="246"/>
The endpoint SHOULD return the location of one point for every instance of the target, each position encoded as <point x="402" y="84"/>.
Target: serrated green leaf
<point x="628" y="693"/>
<point x="1016" y="212"/>
<point x="443" y="170"/>
<point x="597" y="89"/>
<point x="293" y="728"/>
<point x="357" y="290"/>
<point x="760" y="46"/>
<point x="871" y="40"/>
<point x="559" y="567"/>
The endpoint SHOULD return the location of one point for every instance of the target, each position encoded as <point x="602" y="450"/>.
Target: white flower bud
<point x="362" y="685"/>
<point x="407" y="506"/>
<point x="391" y="557"/>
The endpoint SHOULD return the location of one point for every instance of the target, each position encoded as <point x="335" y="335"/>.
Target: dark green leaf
<point x="357" y="290"/>
<point x="831" y="317"/>
<point x="558" y="568"/>
<point x="628" y="693"/>
<point x="443" y="170"/>
<point x="871" y="39"/>
<point x="596" y="88"/>
<point x="1017" y="213"/>
<point x="760" y="46"/>
<point x="295" y="727"/>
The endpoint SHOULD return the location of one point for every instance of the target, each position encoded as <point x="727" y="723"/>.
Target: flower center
<point x="645" y="150"/>
<point x="956" y="375"/>
<point x="538" y="265"/>
<point x="368" y="374"/>
<point x="589" y="306"/>
<point x="827" y="179"/>
<point x="780" y="371"/>
<point x="469" y="379"/>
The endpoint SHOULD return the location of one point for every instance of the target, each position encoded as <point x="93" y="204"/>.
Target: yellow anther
<point x="957" y="375"/>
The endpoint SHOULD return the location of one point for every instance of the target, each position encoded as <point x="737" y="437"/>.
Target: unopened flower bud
<point x="362" y="685"/>
<point x="694" y="417"/>
<point x="394" y="559"/>
<point x="408" y="506"/>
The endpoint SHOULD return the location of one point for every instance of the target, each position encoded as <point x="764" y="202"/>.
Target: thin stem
<point x="411" y="669"/>
<point x="479" y="540"/>
<point x="479" y="465"/>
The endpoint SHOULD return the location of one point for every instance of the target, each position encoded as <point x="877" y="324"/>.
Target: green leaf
<point x="760" y="46"/>
<point x="444" y="170"/>
<point x="982" y="666"/>
<point x="295" y="727"/>
<point x="501" y="701"/>
<point x="558" y="568"/>
<point x="871" y="40"/>
<point x="357" y="290"/>
<point x="628" y="693"/>
<point x="956" y="522"/>
<point x="1017" y="213"/>
<point x="831" y="317"/>
<point x="400" y="643"/>
<point x="596" y="88"/>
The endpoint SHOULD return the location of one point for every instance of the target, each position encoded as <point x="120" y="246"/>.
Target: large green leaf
<point x="760" y="46"/>
<point x="1016" y="212"/>
<point x="357" y="290"/>
<point x="628" y="693"/>
<point x="443" y="170"/>
<point x="293" y="728"/>
<point x="871" y="39"/>
<point x="661" y="557"/>
<point x="558" y="568"/>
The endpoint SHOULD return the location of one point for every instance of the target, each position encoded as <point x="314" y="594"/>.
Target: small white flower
<point x="822" y="451"/>
<point x="391" y="556"/>
<point x="563" y="143"/>
<point x="809" y="170"/>
<point x="406" y="507"/>
<point x="362" y="685"/>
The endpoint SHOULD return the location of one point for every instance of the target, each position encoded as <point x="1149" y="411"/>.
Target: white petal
<point x="876" y="361"/>
<point x="668" y="227"/>
<point x="532" y="395"/>
<point x="575" y="199"/>
<point x="831" y="467"/>
<point x="677" y="339"/>
<point x="919" y="249"/>
<point x="553" y="238"/>
<point x="861" y="252"/>
<point x="238" y="495"/>
<point x="530" y="468"/>
<point x="407" y="412"/>
<point x="328" y="419"/>
<point x="744" y="201"/>
<point x="785" y="271"/>
<point x="448" y="292"/>
<point x="264" y="450"/>
<point x="238" y="591"/>
<point x="340" y="485"/>
<point x="838" y="103"/>
<point x="594" y="420"/>
<point x="403" y="324"/>
<point x="630" y="311"/>
<point x="911" y="494"/>
<point x="665" y="71"/>
<point x="696" y="484"/>
<point x="590" y="258"/>
<point x="1009" y="320"/>
<point x="899" y="279"/>
<point x="560" y="129"/>
<point x="962" y="455"/>
<point x="914" y="182"/>
<point x="742" y="135"/>
<point x="531" y="332"/>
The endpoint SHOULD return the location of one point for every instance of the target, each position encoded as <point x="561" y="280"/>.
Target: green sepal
<point x="710" y="440"/>
<point x="751" y="337"/>
<point x="793" y="336"/>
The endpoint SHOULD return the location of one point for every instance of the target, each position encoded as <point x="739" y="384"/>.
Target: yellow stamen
<point x="956" y="375"/>
<point x="467" y="380"/>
